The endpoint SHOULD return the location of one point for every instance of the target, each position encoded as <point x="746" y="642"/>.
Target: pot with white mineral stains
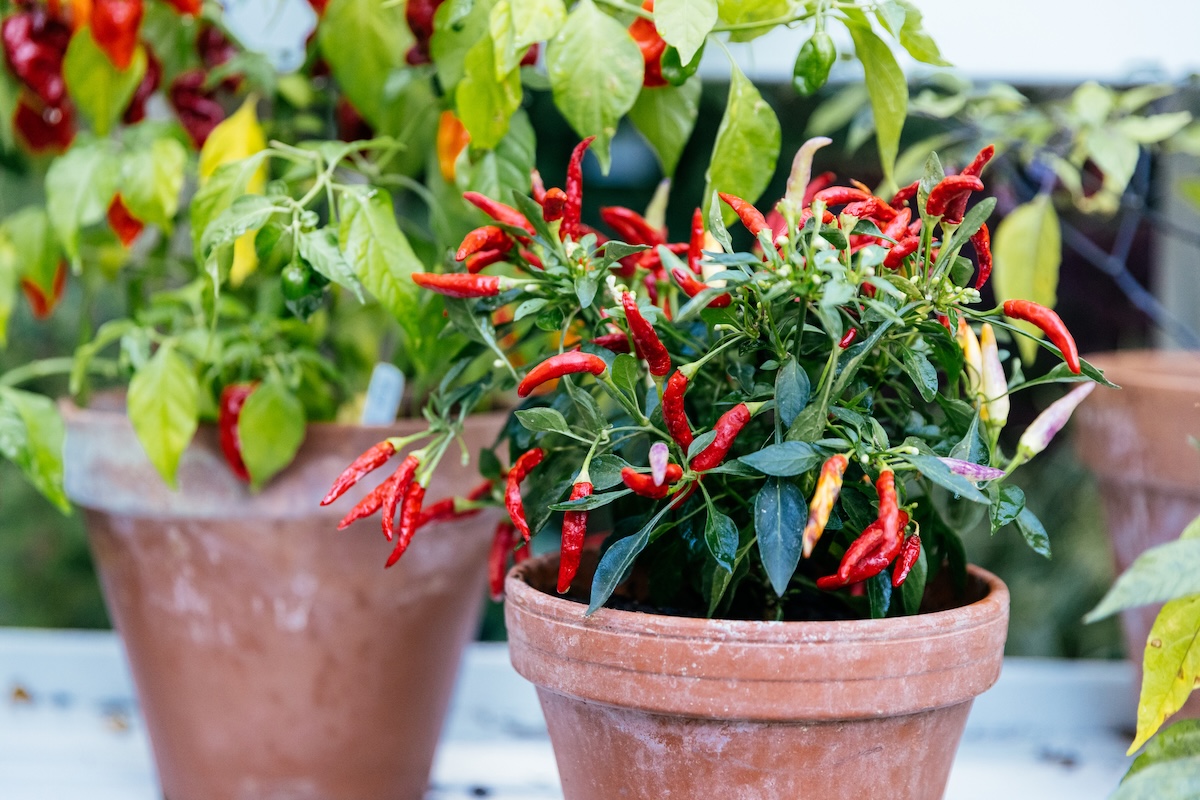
<point x="649" y="706"/>
<point x="273" y="656"/>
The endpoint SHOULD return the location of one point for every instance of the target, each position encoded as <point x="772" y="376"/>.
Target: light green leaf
<point x="151" y="180"/>
<point x="595" y="72"/>
<point x="1092" y="103"/>
<point x="516" y="24"/>
<point x="666" y="116"/>
<point x="10" y="278"/>
<point x="381" y="256"/>
<point x="31" y="436"/>
<point x="543" y="420"/>
<point x="270" y="430"/>
<point x="226" y="184"/>
<point x="500" y="172"/>
<point x="1170" y="667"/>
<point x="1178" y="779"/>
<point x="364" y="41"/>
<point x="485" y="101"/>
<point x="747" y="146"/>
<point x="1168" y="572"/>
<point x="320" y="249"/>
<point x="247" y="213"/>
<point x="1181" y="740"/>
<point x="80" y="184"/>
<point x="1154" y="128"/>
<point x="98" y="88"/>
<point x="888" y="90"/>
<point x="914" y="38"/>
<point x="1027" y="250"/>
<point x="34" y="247"/>
<point x="1115" y="154"/>
<point x="684" y="24"/>
<point x="164" y="408"/>
<point x="743" y="12"/>
<point x="454" y="34"/>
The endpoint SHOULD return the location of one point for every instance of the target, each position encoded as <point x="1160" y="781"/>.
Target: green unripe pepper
<point x="674" y="71"/>
<point x="813" y="64"/>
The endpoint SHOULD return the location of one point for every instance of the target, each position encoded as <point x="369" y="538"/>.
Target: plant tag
<point x="384" y="393"/>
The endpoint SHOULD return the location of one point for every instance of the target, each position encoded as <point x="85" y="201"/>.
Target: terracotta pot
<point x="647" y="706"/>
<point x="273" y="656"/>
<point x="1136" y="443"/>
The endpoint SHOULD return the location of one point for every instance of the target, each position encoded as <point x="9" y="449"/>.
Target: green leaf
<point x="1027" y="250"/>
<point x="785" y="459"/>
<point x="1178" y="779"/>
<point x="364" y="41"/>
<point x="10" y="278"/>
<point x="921" y="372"/>
<point x="591" y="502"/>
<point x="320" y="249"/>
<point x="595" y="72"/>
<point x="516" y="24"/>
<point x="1170" y="666"/>
<point x="151" y="180"/>
<point x="1034" y="532"/>
<point x="271" y="430"/>
<point x="916" y="40"/>
<point x="625" y="374"/>
<point x="742" y="12"/>
<point x="100" y="90"/>
<point x="226" y="184"/>
<point x="486" y="101"/>
<point x="1008" y="504"/>
<point x="247" y="213"/>
<point x="665" y="117"/>
<point x="80" y="184"/>
<point x="616" y="562"/>
<point x="939" y="473"/>
<point x="684" y="24"/>
<point x="543" y="420"/>
<point x="31" y="436"/>
<point x="747" y="146"/>
<point x="721" y="537"/>
<point x="879" y="594"/>
<point x="888" y="90"/>
<point x="381" y="256"/>
<point x="1168" y="572"/>
<point x="1179" y="741"/>
<point x="164" y="408"/>
<point x="31" y="243"/>
<point x="1154" y="128"/>
<point x="792" y="391"/>
<point x="500" y="172"/>
<point x="780" y="515"/>
<point x="606" y="471"/>
<point x="454" y="34"/>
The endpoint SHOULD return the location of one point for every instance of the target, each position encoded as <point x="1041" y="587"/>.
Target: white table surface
<point x="70" y="730"/>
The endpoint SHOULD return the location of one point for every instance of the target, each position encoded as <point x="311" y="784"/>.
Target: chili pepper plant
<point x="772" y="431"/>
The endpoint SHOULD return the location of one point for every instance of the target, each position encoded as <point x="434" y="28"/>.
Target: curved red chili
<point x="692" y="287"/>
<point x="642" y="483"/>
<point x="905" y="194"/>
<point x="396" y="491"/>
<point x="695" y="251"/>
<point x="728" y="427"/>
<point x="487" y="237"/>
<point x="674" y="413"/>
<point x="889" y="508"/>
<point x="909" y="553"/>
<point x="457" y="284"/>
<point x="502" y="543"/>
<point x="872" y="551"/>
<point x="40" y="303"/>
<point x="617" y="342"/>
<point x="871" y="208"/>
<point x="897" y="228"/>
<point x="374" y="457"/>
<point x="512" y="488"/>
<point x="573" y="209"/>
<point x="840" y="195"/>
<point x="980" y="161"/>
<point x="951" y="188"/>
<point x="477" y="262"/>
<point x="233" y="397"/>
<point x="848" y="338"/>
<point x="498" y="211"/>
<point x="574" y="531"/>
<point x="982" y="240"/>
<point x="410" y="512"/>
<point x="750" y="216"/>
<point x="1051" y="324"/>
<point x="558" y="365"/>
<point x="126" y="226"/>
<point x="554" y="204"/>
<point x="902" y="250"/>
<point x="631" y="227"/>
<point x="648" y="345"/>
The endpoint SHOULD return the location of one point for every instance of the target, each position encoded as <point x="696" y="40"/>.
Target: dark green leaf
<point x="606" y="471"/>
<point x="940" y="474"/>
<point x="1008" y="504"/>
<point x="625" y="374"/>
<point x="780" y="515"/>
<point x="590" y="502"/>
<point x="1034" y="532"/>
<point x="922" y="373"/>
<point x="792" y="390"/>
<point x="879" y="594"/>
<point x="971" y="447"/>
<point x="721" y="536"/>
<point x="785" y="459"/>
<point x="543" y="420"/>
<point x="618" y="560"/>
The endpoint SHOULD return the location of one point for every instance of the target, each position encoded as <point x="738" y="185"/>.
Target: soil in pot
<point x="650" y="706"/>
<point x="273" y="655"/>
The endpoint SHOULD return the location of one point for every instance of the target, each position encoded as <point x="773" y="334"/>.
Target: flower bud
<point x="659" y="456"/>
<point x="1049" y="422"/>
<point x="971" y="355"/>
<point x="994" y="385"/>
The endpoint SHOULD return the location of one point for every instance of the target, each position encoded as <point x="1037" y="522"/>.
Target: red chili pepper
<point x="866" y="557"/>
<point x="198" y="112"/>
<point x="944" y="195"/>
<point x="351" y="126"/>
<point x="233" y="397"/>
<point x="216" y="49"/>
<point x="573" y="209"/>
<point x="695" y="253"/>
<point x="674" y="413"/>
<point x="476" y="262"/>
<point x="648" y="345"/>
<point x="50" y="130"/>
<point x="815" y="185"/>
<point x="498" y="211"/>
<point x="944" y="321"/>
<point x="574" y="531"/>
<point x="192" y="7"/>
<point x="909" y="553"/>
<point x="34" y="44"/>
<point x="889" y="508"/>
<point x="645" y="34"/>
<point x="419" y="15"/>
<point x="502" y="544"/>
<point x="897" y="228"/>
<point x="871" y="208"/>
<point x="829" y="485"/>
<point x="554" y="204"/>
<point x="642" y="483"/>
<point x="410" y="512"/>
<point x="126" y="226"/>
<point x="457" y="284"/>
<point x="902" y="250"/>
<point x="558" y="365"/>
<point x="368" y="505"/>
<point x="115" y="25"/>
<point x="512" y="488"/>
<point x="631" y="227"/>
<point x="136" y="110"/>
<point x="617" y="342"/>
<point x="905" y="194"/>
<point x="1051" y="324"/>
<point x="531" y="56"/>
<point x="750" y="216"/>
<point x="537" y="187"/>
<point x="692" y="287"/>
<point x="375" y="456"/>
<point x="391" y="492"/>
<point x="531" y="258"/>
<point x="41" y="304"/>
<point x="728" y="427"/>
<point x="980" y="161"/>
<point x="487" y="237"/>
<point x="840" y="195"/>
<point x="982" y="240"/>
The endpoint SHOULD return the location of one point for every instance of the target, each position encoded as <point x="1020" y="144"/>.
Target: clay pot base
<point x="649" y="706"/>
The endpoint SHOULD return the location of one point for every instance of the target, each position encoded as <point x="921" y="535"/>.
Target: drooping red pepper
<point x="233" y="397"/>
<point x="487" y="237"/>
<point x="372" y="459"/>
<point x="648" y="345"/>
<point x="574" y="531"/>
<point x="368" y="505"/>
<point x="410" y="512"/>
<point x="34" y="44"/>
<point x="750" y="216"/>
<point x="840" y="195"/>
<point x="502" y="544"/>
<point x="573" y="209"/>
<point x="848" y="338"/>
<point x="498" y="211"/>
<point x="460" y="285"/>
<point x="982" y="240"/>
<point x="617" y="342"/>
<point x="905" y="194"/>
<point x="871" y="208"/>
<point x="645" y="34"/>
<point x="558" y="365"/>
<point x="476" y="262"/>
<point x="692" y="287"/>
<point x="897" y="228"/>
<point x="554" y="204"/>
<point x="50" y="130"/>
<point x="829" y="485"/>
<point x="959" y="206"/>
<point x="39" y="302"/>
<point x="512" y="488"/>
<point x="728" y="427"/>
<point x="1051" y="324"/>
<point x="889" y="508"/>
<point x="695" y="252"/>
<point x="902" y="250"/>
<point x="397" y="490"/>
<point x="419" y="15"/>
<point x="530" y="58"/>
<point x="642" y="483"/>
<point x="871" y="552"/>
<point x="125" y="225"/>
<point x="631" y="227"/>
<point x="136" y="110"/>
<point x="115" y="25"/>
<point x="909" y="553"/>
<point x="674" y="412"/>
<point x="943" y="197"/>
<point x="198" y="112"/>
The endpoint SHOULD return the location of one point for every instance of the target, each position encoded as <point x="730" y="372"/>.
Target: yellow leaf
<point x="1170" y="667"/>
<point x="237" y="137"/>
<point x="1027" y="250"/>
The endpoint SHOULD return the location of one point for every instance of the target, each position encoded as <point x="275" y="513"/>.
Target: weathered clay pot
<point x="273" y="656"/>
<point x="1136" y="443"/>
<point x="647" y="706"/>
